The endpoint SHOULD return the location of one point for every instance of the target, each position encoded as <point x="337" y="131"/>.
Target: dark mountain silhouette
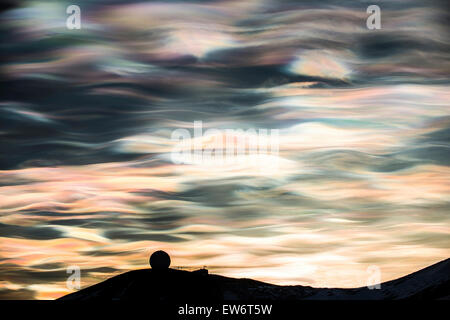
<point x="172" y="285"/>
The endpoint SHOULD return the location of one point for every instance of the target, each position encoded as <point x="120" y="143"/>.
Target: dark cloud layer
<point x="82" y="127"/>
<point x="33" y="232"/>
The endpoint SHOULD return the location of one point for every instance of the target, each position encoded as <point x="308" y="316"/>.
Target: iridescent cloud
<point x="86" y="176"/>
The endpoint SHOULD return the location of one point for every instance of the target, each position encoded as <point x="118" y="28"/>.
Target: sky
<point x="86" y="123"/>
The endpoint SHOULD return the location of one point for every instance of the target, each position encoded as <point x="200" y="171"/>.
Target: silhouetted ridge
<point x="172" y="285"/>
